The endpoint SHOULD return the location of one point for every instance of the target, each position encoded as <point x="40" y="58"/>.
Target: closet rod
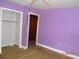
<point x="9" y="21"/>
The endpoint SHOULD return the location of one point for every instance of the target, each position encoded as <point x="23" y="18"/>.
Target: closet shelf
<point x="9" y="21"/>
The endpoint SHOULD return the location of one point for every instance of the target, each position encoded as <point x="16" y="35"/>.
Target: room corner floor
<point x="34" y="52"/>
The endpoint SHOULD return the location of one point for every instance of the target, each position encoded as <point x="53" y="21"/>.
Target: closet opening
<point x="11" y="27"/>
<point x="33" y="30"/>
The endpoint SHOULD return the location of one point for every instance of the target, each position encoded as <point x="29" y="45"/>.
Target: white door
<point x="8" y="27"/>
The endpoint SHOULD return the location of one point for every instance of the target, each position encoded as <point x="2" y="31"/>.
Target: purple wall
<point x="59" y="28"/>
<point x="7" y="4"/>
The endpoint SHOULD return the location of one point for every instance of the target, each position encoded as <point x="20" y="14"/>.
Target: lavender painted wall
<point x="59" y="28"/>
<point x="7" y="4"/>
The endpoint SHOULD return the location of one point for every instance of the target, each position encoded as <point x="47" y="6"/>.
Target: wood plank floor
<point x="34" y="52"/>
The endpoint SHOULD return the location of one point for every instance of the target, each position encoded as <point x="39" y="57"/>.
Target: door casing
<point x="28" y="23"/>
<point x="21" y="21"/>
<point x="0" y="29"/>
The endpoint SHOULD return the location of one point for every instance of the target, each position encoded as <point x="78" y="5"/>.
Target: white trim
<point x="8" y="45"/>
<point x="37" y="28"/>
<point x="21" y="24"/>
<point x="23" y="47"/>
<point x="0" y="30"/>
<point x="21" y="21"/>
<point x="29" y="25"/>
<point x="11" y="10"/>
<point x="58" y="51"/>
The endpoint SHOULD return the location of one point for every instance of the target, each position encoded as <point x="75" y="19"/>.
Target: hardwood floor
<point x="34" y="52"/>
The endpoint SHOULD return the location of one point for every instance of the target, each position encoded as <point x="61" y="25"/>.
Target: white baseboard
<point x="23" y="47"/>
<point x="58" y="51"/>
<point x="8" y="45"/>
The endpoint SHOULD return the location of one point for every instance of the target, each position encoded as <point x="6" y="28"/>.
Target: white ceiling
<point x="54" y="3"/>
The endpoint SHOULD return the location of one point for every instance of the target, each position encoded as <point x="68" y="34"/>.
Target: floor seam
<point x="27" y="54"/>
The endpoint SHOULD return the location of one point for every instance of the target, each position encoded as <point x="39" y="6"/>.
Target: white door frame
<point x="21" y="21"/>
<point x="28" y="23"/>
<point x="0" y="29"/>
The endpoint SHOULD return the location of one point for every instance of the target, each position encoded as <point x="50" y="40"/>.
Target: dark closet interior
<point x="33" y="29"/>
